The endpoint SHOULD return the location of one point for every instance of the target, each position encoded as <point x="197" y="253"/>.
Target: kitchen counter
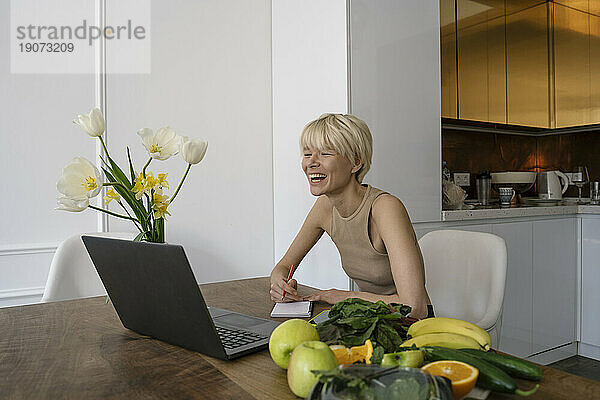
<point x="492" y="212"/>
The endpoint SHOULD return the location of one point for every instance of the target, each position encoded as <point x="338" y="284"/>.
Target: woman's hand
<point x="330" y="296"/>
<point x="279" y="285"/>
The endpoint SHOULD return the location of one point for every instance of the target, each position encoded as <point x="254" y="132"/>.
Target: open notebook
<point x="298" y="309"/>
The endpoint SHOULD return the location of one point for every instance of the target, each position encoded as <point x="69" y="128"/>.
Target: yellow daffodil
<point x="139" y="186"/>
<point x="162" y="144"/>
<point x="150" y="184"/>
<point x="160" y="206"/>
<point x="80" y="179"/>
<point x="162" y="181"/>
<point x="112" y="195"/>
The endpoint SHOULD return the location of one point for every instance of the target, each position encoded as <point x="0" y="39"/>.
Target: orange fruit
<point x="462" y="375"/>
<point x="345" y="355"/>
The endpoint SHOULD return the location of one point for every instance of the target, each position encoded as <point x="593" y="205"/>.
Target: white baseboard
<point x="556" y="354"/>
<point x="20" y="249"/>
<point x="21" y="296"/>
<point x="589" y="350"/>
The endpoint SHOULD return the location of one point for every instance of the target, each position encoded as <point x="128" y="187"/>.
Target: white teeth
<point x="311" y="176"/>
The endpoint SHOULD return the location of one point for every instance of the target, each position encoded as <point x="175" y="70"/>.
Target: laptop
<point x="154" y="292"/>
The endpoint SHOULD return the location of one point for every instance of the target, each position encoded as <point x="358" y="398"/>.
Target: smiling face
<point x="333" y="143"/>
<point x="328" y="172"/>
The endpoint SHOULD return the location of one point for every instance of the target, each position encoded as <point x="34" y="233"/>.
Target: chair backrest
<point x="465" y="275"/>
<point x="72" y="274"/>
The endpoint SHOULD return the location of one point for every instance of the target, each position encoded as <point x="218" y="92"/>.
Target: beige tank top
<point x="369" y="268"/>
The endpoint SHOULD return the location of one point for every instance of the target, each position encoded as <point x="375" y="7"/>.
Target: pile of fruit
<point x="361" y="332"/>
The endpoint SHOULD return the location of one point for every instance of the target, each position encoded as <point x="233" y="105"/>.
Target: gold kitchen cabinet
<point x="513" y="6"/>
<point x="448" y="58"/>
<point x="527" y="60"/>
<point x="521" y="62"/>
<point x="481" y="69"/>
<point x="581" y="5"/>
<point x="571" y="65"/>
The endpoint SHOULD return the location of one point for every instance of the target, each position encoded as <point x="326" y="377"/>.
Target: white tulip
<point x="92" y="123"/>
<point x="193" y="151"/>
<point x="80" y="178"/>
<point x="162" y="144"/>
<point x="72" y="204"/>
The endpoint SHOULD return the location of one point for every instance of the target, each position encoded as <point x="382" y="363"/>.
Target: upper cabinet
<point x="532" y="63"/>
<point x="448" y="58"/>
<point x="481" y="62"/>
<point x="572" y="93"/>
<point x="527" y="75"/>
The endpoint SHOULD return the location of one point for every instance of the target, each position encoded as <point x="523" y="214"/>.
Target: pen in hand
<point x="288" y="279"/>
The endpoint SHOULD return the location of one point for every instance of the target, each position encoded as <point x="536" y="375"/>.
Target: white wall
<point x="37" y="139"/>
<point x="309" y="78"/>
<point x="395" y="81"/>
<point x="211" y="77"/>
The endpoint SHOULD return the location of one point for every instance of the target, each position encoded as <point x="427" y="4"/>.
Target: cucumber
<point x="490" y="377"/>
<point x="511" y="365"/>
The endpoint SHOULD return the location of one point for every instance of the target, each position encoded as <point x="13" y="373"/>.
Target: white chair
<point x="465" y="276"/>
<point x="72" y="274"/>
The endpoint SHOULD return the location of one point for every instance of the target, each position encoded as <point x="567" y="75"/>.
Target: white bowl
<point x="511" y="177"/>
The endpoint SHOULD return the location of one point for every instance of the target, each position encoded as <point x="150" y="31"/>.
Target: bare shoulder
<point x="386" y="203"/>
<point x="392" y="221"/>
<point x="320" y="214"/>
<point x="388" y="209"/>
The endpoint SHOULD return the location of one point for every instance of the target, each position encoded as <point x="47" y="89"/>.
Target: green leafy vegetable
<point x="378" y="353"/>
<point x="352" y="321"/>
<point x="387" y="336"/>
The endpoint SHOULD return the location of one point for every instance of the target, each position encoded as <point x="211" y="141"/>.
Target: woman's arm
<point x="395" y="229"/>
<point x="309" y="234"/>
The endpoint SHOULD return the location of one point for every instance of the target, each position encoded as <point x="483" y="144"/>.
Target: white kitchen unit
<point x="590" y="287"/>
<point x="554" y="283"/>
<point x="378" y="60"/>
<point x="541" y="302"/>
<point x="517" y="310"/>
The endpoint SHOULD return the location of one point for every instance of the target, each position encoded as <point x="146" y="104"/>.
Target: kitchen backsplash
<point x="468" y="151"/>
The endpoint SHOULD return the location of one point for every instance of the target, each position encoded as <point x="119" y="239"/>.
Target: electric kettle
<point x="550" y="186"/>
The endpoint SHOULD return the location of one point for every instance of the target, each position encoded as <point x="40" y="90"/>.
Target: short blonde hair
<point x="344" y="133"/>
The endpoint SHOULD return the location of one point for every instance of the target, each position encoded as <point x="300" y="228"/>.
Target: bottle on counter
<point x="483" y="185"/>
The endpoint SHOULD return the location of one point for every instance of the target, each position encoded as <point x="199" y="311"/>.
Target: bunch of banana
<point x="448" y="332"/>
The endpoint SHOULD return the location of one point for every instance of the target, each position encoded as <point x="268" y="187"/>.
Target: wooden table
<point x="79" y="349"/>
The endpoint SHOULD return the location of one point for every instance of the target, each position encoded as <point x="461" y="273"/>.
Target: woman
<point x="370" y="227"/>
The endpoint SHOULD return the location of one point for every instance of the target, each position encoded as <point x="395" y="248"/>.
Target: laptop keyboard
<point x="234" y="338"/>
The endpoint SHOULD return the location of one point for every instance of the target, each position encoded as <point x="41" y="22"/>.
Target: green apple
<point x="307" y="357"/>
<point x="287" y="336"/>
<point x="408" y="358"/>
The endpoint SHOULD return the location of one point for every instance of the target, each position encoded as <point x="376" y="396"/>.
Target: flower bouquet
<point x="140" y="194"/>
